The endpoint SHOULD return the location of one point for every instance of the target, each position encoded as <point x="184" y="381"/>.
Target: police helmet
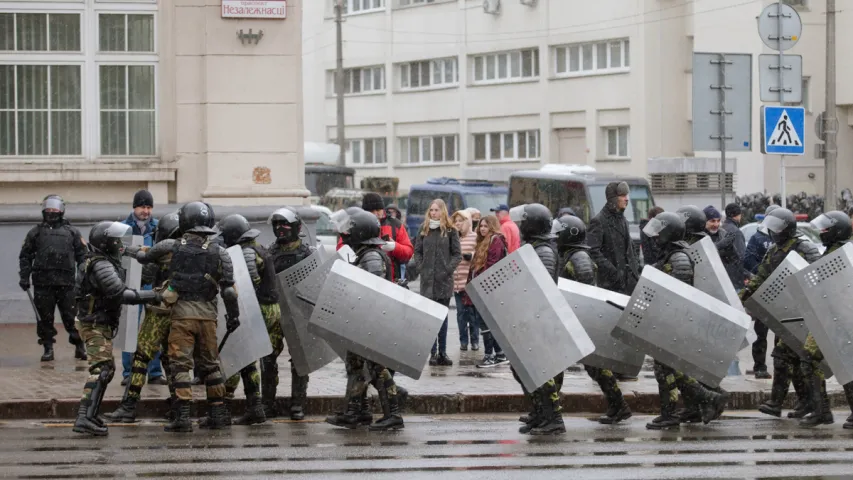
<point x="364" y="229"/>
<point x="834" y="226"/>
<point x="666" y="227"/>
<point x="694" y="218"/>
<point x="286" y="224"/>
<point x="534" y="221"/>
<point x="168" y="227"/>
<point x="572" y="232"/>
<point x="235" y="229"/>
<point x="781" y="224"/>
<point x="196" y="217"/>
<point x="54" y="203"/>
<point x="110" y="238"/>
<point x="770" y="209"/>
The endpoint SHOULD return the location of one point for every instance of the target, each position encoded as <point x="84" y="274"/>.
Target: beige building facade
<point x="467" y="87"/>
<point x="191" y="99"/>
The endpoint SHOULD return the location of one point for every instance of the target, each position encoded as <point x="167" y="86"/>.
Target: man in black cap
<point x="734" y="263"/>
<point x="610" y="243"/>
<point x="143" y="223"/>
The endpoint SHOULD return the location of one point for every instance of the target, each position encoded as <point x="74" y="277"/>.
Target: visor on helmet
<point x="774" y="224"/>
<point x="654" y="227"/>
<point x="822" y="223"/>
<point x="516" y="214"/>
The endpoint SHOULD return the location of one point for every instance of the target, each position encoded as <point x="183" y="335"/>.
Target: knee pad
<point x="107" y="370"/>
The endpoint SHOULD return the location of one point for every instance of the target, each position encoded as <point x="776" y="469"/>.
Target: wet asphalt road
<point x="748" y="445"/>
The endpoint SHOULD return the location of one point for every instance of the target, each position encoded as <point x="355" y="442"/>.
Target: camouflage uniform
<point x="98" y="339"/>
<point x="786" y="363"/>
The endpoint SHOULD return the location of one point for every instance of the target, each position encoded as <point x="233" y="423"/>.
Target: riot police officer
<point x="535" y="225"/>
<point x="835" y="232"/>
<point x="199" y="270"/>
<point x="286" y="251"/>
<point x="694" y="223"/>
<point x="237" y="231"/>
<point x="782" y="227"/>
<point x="577" y="265"/>
<point x="101" y="294"/>
<point x="154" y="332"/>
<point x="51" y="254"/>
<point x="668" y="230"/>
<point x="362" y="236"/>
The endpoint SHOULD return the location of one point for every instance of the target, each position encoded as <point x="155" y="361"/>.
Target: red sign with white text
<point x="254" y="9"/>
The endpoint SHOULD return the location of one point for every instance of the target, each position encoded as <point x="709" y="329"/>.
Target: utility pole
<point x="339" y="81"/>
<point x="830" y="123"/>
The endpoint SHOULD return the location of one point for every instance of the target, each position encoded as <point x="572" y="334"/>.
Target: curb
<point x="643" y="403"/>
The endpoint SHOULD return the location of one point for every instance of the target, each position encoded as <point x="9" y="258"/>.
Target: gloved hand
<point x="231" y="324"/>
<point x="158" y="298"/>
<point x="25" y="285"/>
<point x="131" y="250"/>
<point x="467" y="256"/>
<point x="389" y="246"/>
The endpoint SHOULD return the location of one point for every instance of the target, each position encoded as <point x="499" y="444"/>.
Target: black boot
<point x="527" y="418"/>
<point x="207" y="422"/>
<point x="821" y="413"/>
<point x="172" y="413"/>
<point x="537" y="417"/>
<point x="713" y="403"/>
<point x="47" y="356"/>
<point x="254" y="412"/>
<point x="616" y="413"/>
<point x="617" y="408"/>
<point x="220" y="416"/>
<point x="402" y="398"/>
<point x="779" y="389"/>
<point x="553" y="424"/>
<point x="269" y="385"/>
<point x="365" y="415"/>
<point x="298" y="394"/>
<point x="667" y="417"/>
<point x="87" y="424"/>
<point x="848" y="392"/>
<point x="182" y="422"/>
<point x="805" y="404"/>
<point x="125" y="413"/>
<point x="80" y="351"/>
<point x="391" y="419"/>
<point x="348" y="419"/>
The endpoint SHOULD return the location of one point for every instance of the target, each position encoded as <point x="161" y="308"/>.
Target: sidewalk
<point x="32" y="389"/>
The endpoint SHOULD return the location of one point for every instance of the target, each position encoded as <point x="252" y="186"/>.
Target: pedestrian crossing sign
<point x="783" y="129"/>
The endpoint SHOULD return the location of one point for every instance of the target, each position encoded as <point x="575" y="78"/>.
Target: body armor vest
<point x="194" y="269"/>
<point x="389" y="274"/>
<point x="92" y="305"/>
<point x="582" y="265"/>
<point x="55" y="249"/>
<point x="267" y="290"/>
<point x="284" y="259"/>
<point x="549" y="257"/>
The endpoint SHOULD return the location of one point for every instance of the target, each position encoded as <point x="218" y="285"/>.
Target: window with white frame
<point x="429" y="149"/>
<point x="366" y="151"/>
<point x="590" y="58"/>
<point x="429" y="73"/>
<point x="49" y="60"/>
<point x="506" y="146"/>
<point x="506" y="66"/>
<point x="405" y="3"/>
<point x="360" y="80"/>
<point x="617" y="139"/>
<point x="359" y="6"/>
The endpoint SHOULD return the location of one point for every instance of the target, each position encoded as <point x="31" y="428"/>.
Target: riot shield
<point x="529" y="317"/>
<point x="682" y="327"/>
<point x="250" y="341"/>
<point x="598" y="311"/>
<point x="777" y="305"/>
<point x="128" y="327"/>
<point x="377" y="319"/>
<point x="299" y="288"/>
<point x="825" y="289"/>
<point x="710" y="277"/>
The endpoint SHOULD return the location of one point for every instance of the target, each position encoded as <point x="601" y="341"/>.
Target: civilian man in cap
<point x="734" y="265"/>
<point x="143" y="223"/>
<point x="725" y="243"/>
<point x="610" y="243"/>
<point x="397" y="245"/>
<point x="508" y="228"/>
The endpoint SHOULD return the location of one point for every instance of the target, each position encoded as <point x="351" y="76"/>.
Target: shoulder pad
<point x="808" y="251"/>
<point x="583" y="266"/>
<point x="373" y="262"/>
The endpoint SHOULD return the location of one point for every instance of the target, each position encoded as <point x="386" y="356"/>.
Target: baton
<point x="222" y="343"/>
<point x="33" y="303"/>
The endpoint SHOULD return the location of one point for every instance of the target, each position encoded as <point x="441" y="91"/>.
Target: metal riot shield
<point x="529" y="317"/>
<point x="598" y="311"/>
<point x="826" y="288"/>
<point x="682" y="327"/>
<point x="299" y="288"/>
<point x="128" y="327"/>
<point x="776" y="304"/>
<point x="377" y="319"/>
<point x="710" y="276"/>
<point x="250" y="341"/>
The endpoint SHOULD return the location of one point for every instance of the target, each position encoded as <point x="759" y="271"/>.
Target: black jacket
<point x="612" y="251"/>
<point x="52" y="254"/>
<point x="731" y="246"/>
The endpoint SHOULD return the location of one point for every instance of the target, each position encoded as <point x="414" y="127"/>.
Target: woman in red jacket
<point x="491" y="248"/>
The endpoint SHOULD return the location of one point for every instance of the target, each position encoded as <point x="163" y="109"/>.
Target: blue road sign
<point x="783" y="130"/>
